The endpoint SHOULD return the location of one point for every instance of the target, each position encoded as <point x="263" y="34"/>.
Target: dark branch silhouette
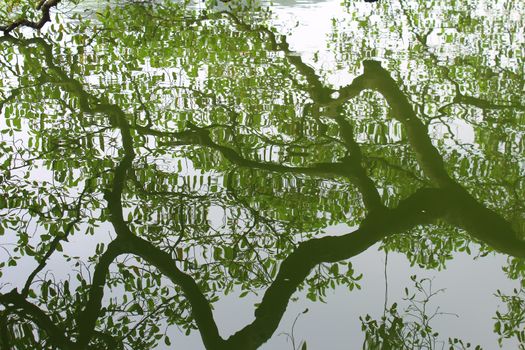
<point x="44" y="6"/>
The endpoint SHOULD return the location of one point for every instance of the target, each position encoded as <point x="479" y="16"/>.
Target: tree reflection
<point x="133" y="130"/>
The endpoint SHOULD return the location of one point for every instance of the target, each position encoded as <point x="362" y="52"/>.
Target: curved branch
<point x="39" y="317"/>
<point x="44" y="7"/>
<point x="464" y="210"/>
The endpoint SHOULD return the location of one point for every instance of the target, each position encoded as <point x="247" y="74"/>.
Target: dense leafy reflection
<point x="216" y="158"/>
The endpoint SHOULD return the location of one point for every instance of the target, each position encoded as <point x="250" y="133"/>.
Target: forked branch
<point x="44" y="6"/>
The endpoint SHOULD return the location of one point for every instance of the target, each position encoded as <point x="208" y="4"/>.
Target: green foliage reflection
<point x="203" y="156"/>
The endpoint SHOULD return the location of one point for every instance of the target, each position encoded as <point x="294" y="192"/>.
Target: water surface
<point x="345" y="176"/>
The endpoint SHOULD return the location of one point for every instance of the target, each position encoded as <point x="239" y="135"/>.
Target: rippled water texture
<point x="287" y="176"/>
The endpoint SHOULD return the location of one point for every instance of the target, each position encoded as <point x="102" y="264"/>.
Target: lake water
<point x="293" y="175"/>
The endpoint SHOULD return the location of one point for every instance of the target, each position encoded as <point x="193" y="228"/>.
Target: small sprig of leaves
<point x="412" y="328"/>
